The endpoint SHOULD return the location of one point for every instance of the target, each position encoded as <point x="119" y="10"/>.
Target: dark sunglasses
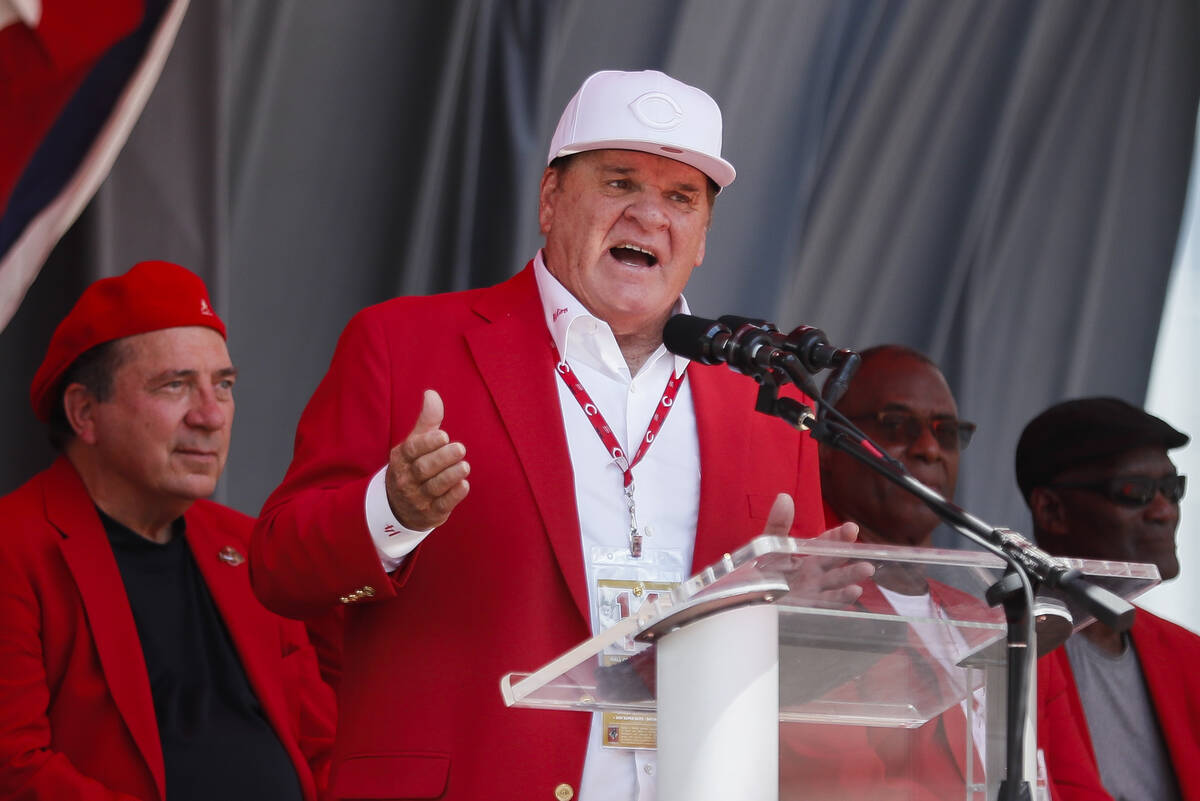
<point x="904" y="428"/>
<point x="1132" y="490"/>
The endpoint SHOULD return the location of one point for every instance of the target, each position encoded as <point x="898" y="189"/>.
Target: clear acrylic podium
<point x="742" y="656"/>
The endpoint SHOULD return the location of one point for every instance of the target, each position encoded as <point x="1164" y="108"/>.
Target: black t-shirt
<point x="217" y="745"/>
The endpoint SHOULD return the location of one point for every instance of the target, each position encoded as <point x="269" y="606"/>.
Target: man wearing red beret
<point x="135" y="662"/>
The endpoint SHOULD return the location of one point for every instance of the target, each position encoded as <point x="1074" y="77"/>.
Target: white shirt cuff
<point x="393" y="540"/>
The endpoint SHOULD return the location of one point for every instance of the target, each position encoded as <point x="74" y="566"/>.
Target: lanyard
<point x="604" y="431"/>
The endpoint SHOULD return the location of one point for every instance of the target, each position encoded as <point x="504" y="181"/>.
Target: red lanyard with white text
<point x="592" y="412"/>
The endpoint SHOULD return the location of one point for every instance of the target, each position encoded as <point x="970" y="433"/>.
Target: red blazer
<point x="76" y="715"/>
<point x="1167" y="654"/>
<point x="500" y="587"/>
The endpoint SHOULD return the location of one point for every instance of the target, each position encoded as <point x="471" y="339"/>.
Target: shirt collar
<point x="579" y="333"/>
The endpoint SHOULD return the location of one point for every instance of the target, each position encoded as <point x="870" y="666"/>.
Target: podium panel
<point x="861" y="693"/>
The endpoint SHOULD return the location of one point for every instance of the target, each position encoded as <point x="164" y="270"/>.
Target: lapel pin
<point x="231" y="556"/>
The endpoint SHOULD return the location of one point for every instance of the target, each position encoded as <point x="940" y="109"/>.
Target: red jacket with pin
<point x="77" y="718"/>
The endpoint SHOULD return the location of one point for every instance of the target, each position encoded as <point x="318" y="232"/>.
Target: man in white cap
<point x="599" y="464"/>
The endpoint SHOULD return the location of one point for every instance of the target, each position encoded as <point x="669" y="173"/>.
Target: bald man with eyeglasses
<point x="1100" y="485"/>
<point x="900" y="399"/>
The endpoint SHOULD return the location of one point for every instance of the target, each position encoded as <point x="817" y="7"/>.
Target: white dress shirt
<point x="947" y="645"/>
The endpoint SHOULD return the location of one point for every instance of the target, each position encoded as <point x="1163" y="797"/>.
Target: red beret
<point x="151" y="296"/>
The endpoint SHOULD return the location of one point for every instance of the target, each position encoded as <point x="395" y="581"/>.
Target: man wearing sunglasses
<point x="901" y="400"/>
<point x="1097" y="478"/>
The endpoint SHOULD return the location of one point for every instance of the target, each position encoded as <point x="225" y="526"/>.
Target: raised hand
<point x="820" y="580"/>
<point x="427" y="473"/>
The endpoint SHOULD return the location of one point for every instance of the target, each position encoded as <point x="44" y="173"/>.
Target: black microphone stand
<point x="1028" y="566"/>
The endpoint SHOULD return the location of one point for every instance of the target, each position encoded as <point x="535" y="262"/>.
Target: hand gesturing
<point x="427" y="473"/>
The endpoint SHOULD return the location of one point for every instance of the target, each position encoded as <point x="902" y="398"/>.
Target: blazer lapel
<point x="516" y="362"/>
<point x="90" y="559"/>
<point x="254" y="634"/>
<point x="959" y="740"/>
<point x="1170" y="691"/>
<point x="723" y="428"/>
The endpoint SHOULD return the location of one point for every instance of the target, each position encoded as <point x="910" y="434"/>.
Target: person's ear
<point x="1049" y="516"/>
<point x="79" y="406"/>
<point x="550" y="179"/>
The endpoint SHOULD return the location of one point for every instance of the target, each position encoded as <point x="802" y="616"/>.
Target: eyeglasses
<point x="905" y="428"/>
<point x="1132" y="490"/>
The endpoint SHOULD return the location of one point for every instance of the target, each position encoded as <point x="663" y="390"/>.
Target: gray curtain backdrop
<point x="998" y="183"/>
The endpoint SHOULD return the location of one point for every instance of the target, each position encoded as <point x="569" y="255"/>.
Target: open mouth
<point x="633" y="255"/>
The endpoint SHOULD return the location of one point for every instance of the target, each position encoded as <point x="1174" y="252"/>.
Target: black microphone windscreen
<point x="692" y="337"/>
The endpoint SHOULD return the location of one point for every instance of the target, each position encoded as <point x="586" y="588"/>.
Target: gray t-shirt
<point x="1131" y="752"/>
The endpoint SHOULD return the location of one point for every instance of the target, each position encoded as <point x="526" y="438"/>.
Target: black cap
<point x="1083" y="431"/>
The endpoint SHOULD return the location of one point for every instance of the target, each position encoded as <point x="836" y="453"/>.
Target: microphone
<point x="809" y="344"/>
<point x="740" y="340"/>
<point x="748" y="350"/>
<point x="698" y="339"/>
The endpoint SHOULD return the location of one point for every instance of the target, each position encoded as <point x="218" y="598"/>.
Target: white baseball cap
<point x="647" y="111"/>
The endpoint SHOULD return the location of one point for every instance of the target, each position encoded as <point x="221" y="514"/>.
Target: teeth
<point x="629" y="246"/>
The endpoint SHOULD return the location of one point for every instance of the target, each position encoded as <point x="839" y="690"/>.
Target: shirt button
<point x="564" y="792"/>
<point x="649" y="768"/>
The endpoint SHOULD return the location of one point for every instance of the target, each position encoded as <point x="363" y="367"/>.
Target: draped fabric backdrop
<point x="998" y="184"/>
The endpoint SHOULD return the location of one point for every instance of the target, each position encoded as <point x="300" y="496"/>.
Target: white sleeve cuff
<point x="393" y="541"/>
<point x="29" y="12"/>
